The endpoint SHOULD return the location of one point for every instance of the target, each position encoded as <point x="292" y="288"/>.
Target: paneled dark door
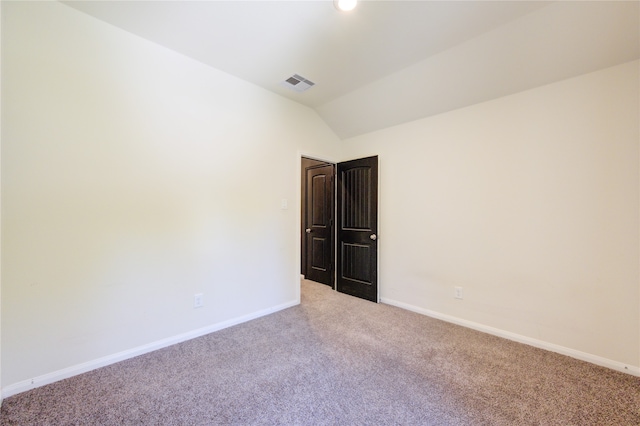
<point x="357" y="223"/>
<point x="319" y="224"/>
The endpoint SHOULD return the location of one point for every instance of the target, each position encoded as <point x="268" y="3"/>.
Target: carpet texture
<point x="338" y="360"/>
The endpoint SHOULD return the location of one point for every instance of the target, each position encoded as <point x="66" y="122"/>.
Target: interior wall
<point x="530" y="204"/>
<point x="132" y="179"/>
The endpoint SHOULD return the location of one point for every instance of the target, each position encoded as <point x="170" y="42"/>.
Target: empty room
<point x="300" y="212"/>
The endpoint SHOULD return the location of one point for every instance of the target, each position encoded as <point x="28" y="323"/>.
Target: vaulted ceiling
<point x="388" y="62"/>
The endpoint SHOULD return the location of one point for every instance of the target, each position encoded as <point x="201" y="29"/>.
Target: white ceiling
<point x="388" y="62"/>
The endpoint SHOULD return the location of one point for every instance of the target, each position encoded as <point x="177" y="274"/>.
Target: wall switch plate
<point x="284" y="204"/>
<point x="457" y="292"/>
<point x="197" y="300"/>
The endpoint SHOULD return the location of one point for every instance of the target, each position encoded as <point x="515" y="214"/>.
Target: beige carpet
<point x="338" y="360"/>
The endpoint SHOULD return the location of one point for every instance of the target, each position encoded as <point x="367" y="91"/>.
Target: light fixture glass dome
<point x="345" y="5"/>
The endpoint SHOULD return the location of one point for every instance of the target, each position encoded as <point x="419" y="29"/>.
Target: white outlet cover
<point x="458" y="292"/>
<point x="198" y="300"/>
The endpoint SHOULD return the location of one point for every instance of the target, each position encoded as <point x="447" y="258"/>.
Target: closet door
<point x="357" y="223"/>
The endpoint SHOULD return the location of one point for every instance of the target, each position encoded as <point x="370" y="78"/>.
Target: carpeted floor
<point x="338" y="360"/>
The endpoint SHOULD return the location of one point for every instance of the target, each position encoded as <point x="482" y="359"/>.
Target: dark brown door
<point x="357" y="223"/>
<point x="319" y="224"/>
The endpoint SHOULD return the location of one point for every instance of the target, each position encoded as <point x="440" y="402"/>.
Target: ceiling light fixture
<point x="345" y="5"/>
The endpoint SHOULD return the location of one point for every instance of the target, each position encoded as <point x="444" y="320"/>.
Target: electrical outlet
<point x="197" y="300"/>
<point x="457" y="292"/>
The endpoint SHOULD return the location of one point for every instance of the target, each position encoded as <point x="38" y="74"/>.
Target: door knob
<point x="373" y="237"/>
<point x="308" y="230"/>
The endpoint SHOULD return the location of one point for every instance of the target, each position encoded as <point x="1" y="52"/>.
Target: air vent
<point x="297" y="83"/>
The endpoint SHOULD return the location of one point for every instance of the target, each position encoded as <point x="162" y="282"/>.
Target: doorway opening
<point x="339" y="225"/>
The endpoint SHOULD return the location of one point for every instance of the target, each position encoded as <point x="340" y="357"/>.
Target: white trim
<point x="74" y="370"/>
<point x="305" y="154"/>
<point x="583" y="356"/>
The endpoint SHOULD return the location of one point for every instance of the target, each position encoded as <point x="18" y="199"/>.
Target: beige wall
<point x="133" y="178"/>
<point x="528" y="202"/>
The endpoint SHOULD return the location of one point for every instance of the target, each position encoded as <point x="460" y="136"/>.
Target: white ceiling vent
<point x="297" y="83"/>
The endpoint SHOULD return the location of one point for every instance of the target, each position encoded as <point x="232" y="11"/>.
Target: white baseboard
<point x="583" y="356"/>
<point x="74" y="370"/>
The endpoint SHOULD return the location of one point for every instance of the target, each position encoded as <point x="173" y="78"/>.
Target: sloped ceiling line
<point x="388" y="62"/>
